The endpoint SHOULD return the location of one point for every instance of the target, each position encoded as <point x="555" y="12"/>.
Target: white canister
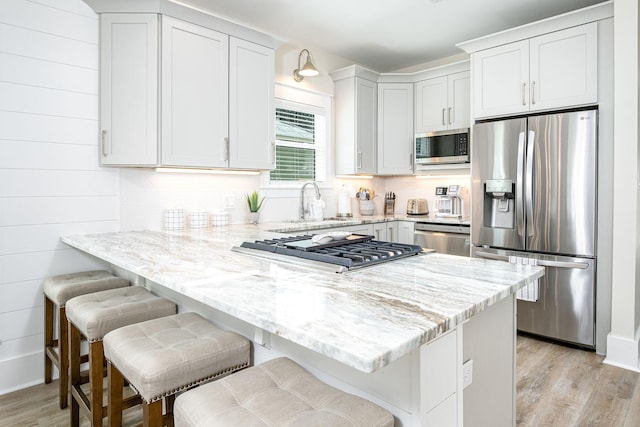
<point x="174" y="219"/>
<point x="219" y="219"/>
<point x="198" y="219"/>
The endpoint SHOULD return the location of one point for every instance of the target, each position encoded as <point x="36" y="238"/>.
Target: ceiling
<point x="385" y="35"/>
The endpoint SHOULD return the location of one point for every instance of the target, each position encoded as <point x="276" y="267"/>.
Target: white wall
<point x="50" y="183"/>
<point x="623" y="342"/>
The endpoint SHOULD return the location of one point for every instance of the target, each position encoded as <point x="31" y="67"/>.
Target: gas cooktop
<point x="353" y="252"/>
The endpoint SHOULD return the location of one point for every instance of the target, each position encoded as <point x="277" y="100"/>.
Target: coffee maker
<point x="449" y="204"/>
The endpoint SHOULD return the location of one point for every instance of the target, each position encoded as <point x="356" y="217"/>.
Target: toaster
<point x="417" y="207"/>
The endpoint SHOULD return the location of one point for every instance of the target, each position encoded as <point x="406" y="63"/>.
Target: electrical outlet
<point x="467" y="373"/>
<point x="229" y="202"/>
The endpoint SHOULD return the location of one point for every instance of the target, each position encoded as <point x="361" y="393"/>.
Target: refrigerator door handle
<point x="489" y="255"/>
<point x="562" y="264"/>
<point x="529" y="182"/>
<point x="519" y="201"/>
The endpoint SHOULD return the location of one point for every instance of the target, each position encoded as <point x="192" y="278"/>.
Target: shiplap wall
<point x="50" y="181"/>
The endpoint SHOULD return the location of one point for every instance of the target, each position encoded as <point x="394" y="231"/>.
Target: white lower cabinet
<point x="405" y="232"/>
<point x="389" y="231"/>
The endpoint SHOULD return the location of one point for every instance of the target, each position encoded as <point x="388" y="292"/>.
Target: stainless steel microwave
<point x="443" y="147"/>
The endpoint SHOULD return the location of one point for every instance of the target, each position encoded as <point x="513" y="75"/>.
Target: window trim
<point x="319" y="103"/>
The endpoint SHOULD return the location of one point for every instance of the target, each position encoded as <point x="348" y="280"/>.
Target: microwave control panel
<point x="463" y="144"/>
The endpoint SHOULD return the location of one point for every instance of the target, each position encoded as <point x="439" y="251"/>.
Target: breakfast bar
<point x="392" y="333"/>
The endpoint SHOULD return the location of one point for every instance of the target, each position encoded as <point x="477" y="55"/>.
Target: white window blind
<point x="300" y="143"/>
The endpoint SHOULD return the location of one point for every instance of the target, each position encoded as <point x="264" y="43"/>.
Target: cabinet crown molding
<point x="365" y="73"/>
<point x="555" y="23"/>
<point x="186" y="13"/>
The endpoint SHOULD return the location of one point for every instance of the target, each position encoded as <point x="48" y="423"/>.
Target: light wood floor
<point x="556" y="386"/>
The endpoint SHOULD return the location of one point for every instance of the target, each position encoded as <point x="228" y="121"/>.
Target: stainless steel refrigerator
<point x="534" y="202"/>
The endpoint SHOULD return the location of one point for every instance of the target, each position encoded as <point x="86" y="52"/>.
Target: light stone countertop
<point x="365" y="318"/>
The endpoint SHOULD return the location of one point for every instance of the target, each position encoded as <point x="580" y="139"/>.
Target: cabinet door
<point x="392" y="231"/>
<point x="380" y="231"/>
<point x="251" y="106"/>
<point x="501" y="77"/>
<point x="431" y="105"/>
<point x="564" y="67"/>
<point x="458" y="96"/>
<point x="395" y="128"/>
<point x="406" y="231"/>
<point x="129" y="89"/>
<point x="365" y="114"/>
<point x="195" y="98"/>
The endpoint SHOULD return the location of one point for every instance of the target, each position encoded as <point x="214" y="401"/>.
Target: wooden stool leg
<point x="152" y="413"/>
<point x="169" y="401"/>
<point x="96" y="373"/>
<point x="74" y="374"/>
<point x="63" y="345"/>
<point x="48" y="338"/>
<point x="116" y="383"/>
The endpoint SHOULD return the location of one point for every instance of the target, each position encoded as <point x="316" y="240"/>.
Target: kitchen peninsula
<point x="392" y="333"/>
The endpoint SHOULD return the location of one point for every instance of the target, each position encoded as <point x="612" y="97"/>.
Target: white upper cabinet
<point x="442" y="103"/>
<point x="555" y="70"/>
<point x="194" y="95"/>
<point x="395" y="128"/>
<point x="251" y="105"/>
<point x="213" y="105"/>
<point x="564" y="68"/>
<point x="129" y="89"/>
<point x="356" y="108"/>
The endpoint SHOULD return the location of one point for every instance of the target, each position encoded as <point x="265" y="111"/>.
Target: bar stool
<point x="276" y="393"/>
<point x="57" y="291"/>
<point x="92" y="316"/>
<point x="164" y="356"/>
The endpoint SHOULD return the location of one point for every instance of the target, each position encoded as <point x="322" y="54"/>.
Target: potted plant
<point x="255" y="203"/>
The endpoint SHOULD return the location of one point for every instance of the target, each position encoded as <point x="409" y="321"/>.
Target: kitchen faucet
<point x="302" y="209"/>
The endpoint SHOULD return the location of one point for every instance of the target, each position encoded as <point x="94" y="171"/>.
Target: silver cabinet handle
<point x="449" y="115"/>
<point x="443" y="122"/>
<point x="103" y="142"/>
<point x="533" y="92"/>
<point x="411" y="161"/>
<point x="359" y="160"/>
<point x="390" y="235"/>
<point x="524" y="89"/>
<point x="226" y="149"/>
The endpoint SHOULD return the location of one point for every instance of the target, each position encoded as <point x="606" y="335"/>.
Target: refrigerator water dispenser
<point x="499" y="197"/>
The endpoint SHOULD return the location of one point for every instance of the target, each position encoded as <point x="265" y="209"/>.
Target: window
<point x="300" y="143"/>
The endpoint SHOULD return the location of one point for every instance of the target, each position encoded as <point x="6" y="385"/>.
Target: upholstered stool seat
<point x="163" y="356"/>
<point x="276" y="393"/>
<point x="93" y="316"/>
<point x="57" y="291"/>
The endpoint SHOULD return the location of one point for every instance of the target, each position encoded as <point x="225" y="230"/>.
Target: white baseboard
<point x="22" y="372"/>
<point x="623" y="352"/>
